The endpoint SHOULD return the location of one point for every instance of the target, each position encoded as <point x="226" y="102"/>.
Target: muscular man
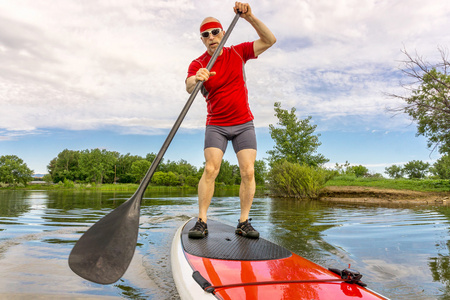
<point x="229" y="116"/>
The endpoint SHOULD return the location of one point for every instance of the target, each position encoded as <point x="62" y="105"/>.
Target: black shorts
<point x="242" y="136"/>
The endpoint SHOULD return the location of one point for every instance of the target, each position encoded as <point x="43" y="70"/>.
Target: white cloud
<point x="122" y="64"/>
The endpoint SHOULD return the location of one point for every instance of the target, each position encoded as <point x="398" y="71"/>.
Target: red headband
<point x="210" y="25"/>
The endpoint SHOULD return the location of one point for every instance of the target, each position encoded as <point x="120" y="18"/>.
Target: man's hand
<point x="243" y="8"/>
<point x="201" y="75"/>
<point x="266" y="37"/>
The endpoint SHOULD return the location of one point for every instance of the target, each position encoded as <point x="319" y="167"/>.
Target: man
<point x="229" y="116"/>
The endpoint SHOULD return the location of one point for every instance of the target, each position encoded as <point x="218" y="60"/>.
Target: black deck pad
<point x="223" y="243"/>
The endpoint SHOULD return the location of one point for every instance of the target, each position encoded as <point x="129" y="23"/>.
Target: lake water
<point x="402" y="252"/>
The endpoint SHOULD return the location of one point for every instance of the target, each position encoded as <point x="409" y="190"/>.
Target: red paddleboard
<point x="224" y="265"/>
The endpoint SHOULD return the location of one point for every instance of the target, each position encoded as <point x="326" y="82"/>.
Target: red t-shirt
<point x="226" y="92"/>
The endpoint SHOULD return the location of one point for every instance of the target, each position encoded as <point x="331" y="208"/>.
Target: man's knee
<point x="211" y="170"/>
<point x="247" y="173"/>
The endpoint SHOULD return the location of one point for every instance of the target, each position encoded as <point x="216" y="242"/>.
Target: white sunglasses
<point x="214" y="32"/>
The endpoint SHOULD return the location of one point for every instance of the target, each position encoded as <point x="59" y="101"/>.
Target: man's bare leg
<point x="213" y="160"/>
<point x="246" y="159"/>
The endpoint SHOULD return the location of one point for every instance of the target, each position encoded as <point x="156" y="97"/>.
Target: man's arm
<point x="202" y="75"/>
<point x="266" y="37"/>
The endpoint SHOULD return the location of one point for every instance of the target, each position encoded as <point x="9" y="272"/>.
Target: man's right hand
<point x="202" y="75"/>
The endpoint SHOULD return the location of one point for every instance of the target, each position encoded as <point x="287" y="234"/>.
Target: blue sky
<point x="110" y="75"/>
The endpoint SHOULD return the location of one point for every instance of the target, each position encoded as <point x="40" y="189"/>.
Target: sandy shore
<point x="359" y="194"/>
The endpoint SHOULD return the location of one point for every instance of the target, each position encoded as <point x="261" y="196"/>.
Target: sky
<point x="110" y="74"/>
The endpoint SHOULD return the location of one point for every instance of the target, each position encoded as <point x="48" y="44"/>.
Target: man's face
<point x="212" y="41"/>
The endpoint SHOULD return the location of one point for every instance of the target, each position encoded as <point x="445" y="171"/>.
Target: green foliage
<point x="359" y="170"/>
<point x="65" y="166"/>
<point x="416" y="169"/>
<point x="395" y="171"/>
<point x="441" y="167"/>
<point x="260" y="172"/>
<point x="14" y="171"/>
<point x="229" y="174"/>
<point x="429" y="106"/>
<point x="123" y="170"/>
<point x="102" y="167"/>
<point x="139" y="168"/>
<point x="432" y="185"/>
<point x="429" y="102"/>
<point x="165" y="179"/>
<point x="294" y="139"/>
<point x="295" y="180"/>
<point x="98" y="165"/>
<point x="191" y="181"/>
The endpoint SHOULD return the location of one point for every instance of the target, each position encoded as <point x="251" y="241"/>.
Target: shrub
<point x="442" y="167"/>
<point x="359" y="171"/>
<point x="191" y="181"/>
<point x="297" y="180"/>
<point x="395" y="171"/>
<point x="416" y="169"/>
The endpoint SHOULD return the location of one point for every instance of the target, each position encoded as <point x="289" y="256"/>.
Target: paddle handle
<point x="148" y="176"/>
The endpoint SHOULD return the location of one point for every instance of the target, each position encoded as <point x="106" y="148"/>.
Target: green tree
<point x="295" y="140"/>
<point x="191" y="181"/>
<point x="181" y="167"/>
<point x="359" y="171"/>
<point x="416" y="169"/>
<point x="65" y="166"/>
<point x="14" y="171"/>
<point x="429" y="101"/>
<point x="441" y="167"/>
<point x="229" y="174"/>
<point x="139" y="168"/>
<point x="165" y="179"/>
<point x="394" y="171"/>
<point x="124" y="173"/>
<point x="260" y="172"/>
<point x="98" y="165"/>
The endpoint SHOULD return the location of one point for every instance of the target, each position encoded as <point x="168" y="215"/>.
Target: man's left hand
<point x="243" y="8"/>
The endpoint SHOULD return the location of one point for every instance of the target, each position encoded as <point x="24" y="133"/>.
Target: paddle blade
<point x="104" y="251"/>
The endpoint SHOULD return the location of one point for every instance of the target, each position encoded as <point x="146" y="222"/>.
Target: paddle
<point x="104" y="251"/>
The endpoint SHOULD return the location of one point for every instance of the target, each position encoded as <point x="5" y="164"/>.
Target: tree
<point x="416" y="169"/>
<point x="65" y="166"/>
<point x="429" y="101"/>
<point x="14" y="171"/>
<point x="124" y="173"/>
<point x="441" y="167"/>
<point x="98" y="165"/>
<point x="359" y="170"/>
<point x="167" y="179"/>
<point x="294" y="139"/>
<point x="191" y="181"/>
<point x="139" y="168"/>
<point x="260" y="172"/>
<point x="394" y="171"/>
<point x="229" y="174"/>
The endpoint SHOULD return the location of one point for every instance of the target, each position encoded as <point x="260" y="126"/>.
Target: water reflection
<point x="303" y="223"/>
<point x="403" y="252"/>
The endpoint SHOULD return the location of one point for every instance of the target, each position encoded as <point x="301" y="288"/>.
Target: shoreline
<point x="374" y="195"/>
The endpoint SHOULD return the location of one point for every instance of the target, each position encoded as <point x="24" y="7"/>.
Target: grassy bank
<point x="121" y="187"/>
<point x="423" y="185"/>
